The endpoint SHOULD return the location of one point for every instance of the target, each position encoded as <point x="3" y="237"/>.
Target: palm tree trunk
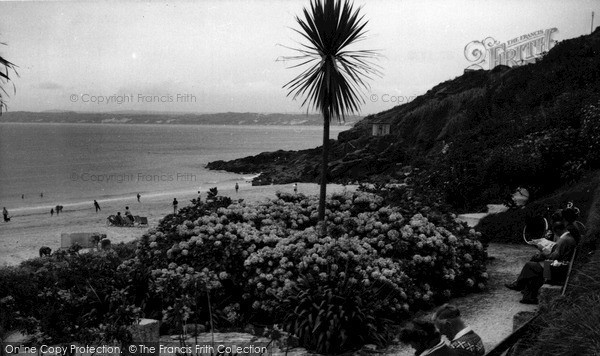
<point x="324" y="164"/>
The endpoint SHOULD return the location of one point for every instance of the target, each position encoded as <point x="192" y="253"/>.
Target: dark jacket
<point x="564" y="248"/>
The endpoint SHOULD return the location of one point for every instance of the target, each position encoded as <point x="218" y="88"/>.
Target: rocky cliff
<point x="478" y="115"/>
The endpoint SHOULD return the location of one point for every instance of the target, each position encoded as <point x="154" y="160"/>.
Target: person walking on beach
<point x="5" y="214"/>
<point x="237" y="187"/>
<point x="97" y="206"/>
<point x="175" y="203"/>
<point x="52" y="212"/>
<point x="138" y="197"/>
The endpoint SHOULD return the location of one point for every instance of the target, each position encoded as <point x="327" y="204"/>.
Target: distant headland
<point x="168" y="118"/>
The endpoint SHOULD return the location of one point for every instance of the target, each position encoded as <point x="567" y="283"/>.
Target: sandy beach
<point x="21" y="238"/>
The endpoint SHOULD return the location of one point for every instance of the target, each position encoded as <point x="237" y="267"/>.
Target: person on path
<point x="41" y="194"/>
<point x="97" y="206"/>
<point x="5" y="214"/>
<point x="531" y="278"/>
<point x="57" y="208"/>
<point x="22" y="196"/>
<point x="237" y="187"/>
<point x="463" y="339"/>
<point x="52" y="212"/>
<point x="175" y="203"/>
<point x="295" y="188"/>
<point x="138" y="197"/>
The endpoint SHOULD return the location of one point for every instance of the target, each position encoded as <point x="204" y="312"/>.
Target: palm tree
<point x="334" y="75"/>
<point x="5" y="68"/>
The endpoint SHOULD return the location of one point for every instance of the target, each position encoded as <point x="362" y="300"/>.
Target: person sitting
<point x="531" y="277"/>
<point x="119" y="219"/>
<point x="128" y="215"/>
<point x="569" y="216"/>
<point x="463" y="339"/>
<point x="422" y="336"/>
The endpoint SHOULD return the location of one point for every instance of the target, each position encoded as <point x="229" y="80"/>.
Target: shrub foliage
<point x="263" y="263"/>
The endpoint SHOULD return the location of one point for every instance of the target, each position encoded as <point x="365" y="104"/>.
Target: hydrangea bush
<point x="252" y="259"/>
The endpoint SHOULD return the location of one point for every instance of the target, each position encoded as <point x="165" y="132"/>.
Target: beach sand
<point x="22" y="237"/>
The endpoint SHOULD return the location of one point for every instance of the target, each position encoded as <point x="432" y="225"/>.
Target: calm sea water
<point x="77" y="163"/>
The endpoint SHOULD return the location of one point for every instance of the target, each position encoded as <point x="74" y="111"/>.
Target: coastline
<point x="21" y="238"/>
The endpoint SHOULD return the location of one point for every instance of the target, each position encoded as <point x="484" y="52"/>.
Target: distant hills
<point x="134" y="117"/>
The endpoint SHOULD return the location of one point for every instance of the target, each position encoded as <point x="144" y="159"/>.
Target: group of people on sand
<point x="120" y="220"/>
<point x="57" y="209"/>
<point x="445" y="334"/>
<point x="566" y="233"/>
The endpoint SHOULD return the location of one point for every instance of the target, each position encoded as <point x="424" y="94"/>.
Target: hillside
<point x="135" y="117"/>
<point x="475" y="137"/>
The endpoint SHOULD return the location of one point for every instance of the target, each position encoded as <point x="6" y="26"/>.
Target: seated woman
<point x="422" y="336"/>
<point x="531" y="277"/>
<point x="128" y="215"/>
<point x="576" y="228"/>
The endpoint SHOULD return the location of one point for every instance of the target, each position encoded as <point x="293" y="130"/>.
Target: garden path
<point x="490" y="313"/>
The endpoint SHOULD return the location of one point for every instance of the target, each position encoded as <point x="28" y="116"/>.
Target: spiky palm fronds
<point x="5" y="68"/>
<point x="335" y="75"/>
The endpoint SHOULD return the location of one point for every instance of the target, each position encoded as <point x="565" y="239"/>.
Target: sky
<point x="221" y="56"/>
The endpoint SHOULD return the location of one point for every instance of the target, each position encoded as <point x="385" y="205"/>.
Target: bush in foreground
<point x="262" y="263"/>
<point x="251" y="260"/>
<point x="68" y="297"/>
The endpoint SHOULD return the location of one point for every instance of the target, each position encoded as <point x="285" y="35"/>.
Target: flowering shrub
<point x="68" y="297"/>
<point x="252" y="258"/>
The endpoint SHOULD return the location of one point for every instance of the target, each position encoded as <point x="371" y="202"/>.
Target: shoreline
<point x="21" y="238"/>
<point x="109" y="199"/>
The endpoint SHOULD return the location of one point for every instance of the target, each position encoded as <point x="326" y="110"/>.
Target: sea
<point x="47" y="164"/>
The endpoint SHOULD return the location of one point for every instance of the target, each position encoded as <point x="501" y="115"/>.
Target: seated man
<point x="425" y="339"/>
<point x="119" y="219"/>
<point x="463" y="340"/>
<point x="531" y="277"/>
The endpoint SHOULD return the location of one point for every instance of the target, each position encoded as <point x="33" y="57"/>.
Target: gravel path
<point x="490" y="313"/>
